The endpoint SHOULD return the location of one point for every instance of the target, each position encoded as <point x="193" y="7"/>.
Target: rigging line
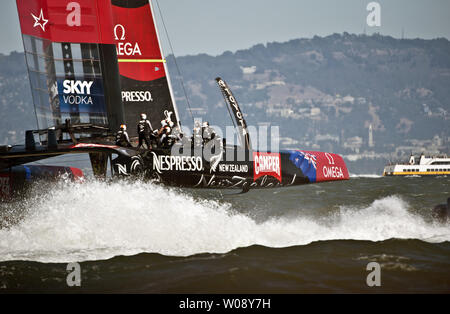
<point x="176" y="63"/>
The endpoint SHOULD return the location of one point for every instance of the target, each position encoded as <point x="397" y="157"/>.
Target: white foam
<point x="92" y="221"/>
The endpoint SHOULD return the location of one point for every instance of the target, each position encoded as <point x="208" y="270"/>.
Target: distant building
<point x="353" y="143"/>
<point x="371" y="136"/>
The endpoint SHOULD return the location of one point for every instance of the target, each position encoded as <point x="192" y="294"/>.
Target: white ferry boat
<point x="426" y="166"/>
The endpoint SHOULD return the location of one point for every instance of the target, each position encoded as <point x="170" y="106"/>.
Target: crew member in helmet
<point x="177" y="135"/>
<point x="122" y="138"/>
<point x="207" y="132"/>
<point x="217" y="143"/>
<point x="164" y="132"/>
<point x="144" y="129"/>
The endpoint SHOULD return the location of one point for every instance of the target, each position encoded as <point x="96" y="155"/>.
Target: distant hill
<point x="335" y="86"/>
<point x="323" y="92"/>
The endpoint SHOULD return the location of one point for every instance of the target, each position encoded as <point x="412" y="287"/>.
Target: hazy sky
<point x="213" y="26"/>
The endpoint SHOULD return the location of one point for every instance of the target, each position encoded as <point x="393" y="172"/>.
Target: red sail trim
<point x="137" y="44"/>
<point x="95" y="20"/>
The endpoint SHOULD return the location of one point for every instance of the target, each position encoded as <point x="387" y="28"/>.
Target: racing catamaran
<point x="94" y="65"/>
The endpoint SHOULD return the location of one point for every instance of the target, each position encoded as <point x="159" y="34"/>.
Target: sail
<point x="145" y="84"/>
<point x="71" y="61"/>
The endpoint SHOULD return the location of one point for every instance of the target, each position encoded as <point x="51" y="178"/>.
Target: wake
<point x="97" y="220"/>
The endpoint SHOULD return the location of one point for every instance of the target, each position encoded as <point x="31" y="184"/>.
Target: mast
<point x="165" y="66"/>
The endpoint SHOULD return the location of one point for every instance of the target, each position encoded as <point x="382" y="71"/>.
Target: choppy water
<point x="141" y="237"/>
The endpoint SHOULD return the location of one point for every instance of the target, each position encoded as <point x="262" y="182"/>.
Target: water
<point x="142" y="237"/>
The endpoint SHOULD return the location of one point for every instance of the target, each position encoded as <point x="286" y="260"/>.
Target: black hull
<point x="227" y="175"/>
<point x="232" y="168"/>
<point x="227" y="171"/>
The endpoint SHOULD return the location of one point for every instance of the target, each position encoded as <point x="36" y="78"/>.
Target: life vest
<point x="144" y="127"/>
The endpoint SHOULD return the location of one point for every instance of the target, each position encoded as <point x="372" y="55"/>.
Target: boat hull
<point x="401" y="170"/>
<point x="252" y="170"/>
<point x="16" y="181"/>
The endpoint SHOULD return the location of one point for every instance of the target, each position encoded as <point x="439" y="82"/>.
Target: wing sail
<point x="143" y="72"/>
<point x="71" y="61"/>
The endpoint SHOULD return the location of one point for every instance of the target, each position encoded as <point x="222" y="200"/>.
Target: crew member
<point x="207" y="132"/>
<point x="177" y="135"/>
<point x="217" y="143"/>
<point x="144" y="129"/>
<point x="197" y="139"/>
<point x="185" y="141"/>
<point x="164" y="133"/>
<point x="122" y="138"/>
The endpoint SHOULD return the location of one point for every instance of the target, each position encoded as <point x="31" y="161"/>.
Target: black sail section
<point x="111" y="83"/>
<point x="149" y="97"/>
<point x="69" y="74"/>
<point x="130" y="4"/>
<point x="145" y="84"/>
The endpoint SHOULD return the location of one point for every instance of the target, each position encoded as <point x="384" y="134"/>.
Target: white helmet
<point x="123" y="127"/>
<point x="163" y="123"/>
<point x="143" y="116"/>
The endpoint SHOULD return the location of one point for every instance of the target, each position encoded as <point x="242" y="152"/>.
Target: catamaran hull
<point x="15" y="181"/>
<point x="109" y="69"/>
<point x="254" y="170"/>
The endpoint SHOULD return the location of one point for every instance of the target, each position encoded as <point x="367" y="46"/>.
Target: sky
<point x="216" y="26"/>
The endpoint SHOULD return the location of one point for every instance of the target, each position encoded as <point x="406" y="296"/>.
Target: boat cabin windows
<point x="437" y="170"/>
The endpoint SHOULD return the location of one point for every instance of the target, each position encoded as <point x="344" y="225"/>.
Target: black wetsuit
<point x="122" y="139"/>
<point x="164" y="135"/>
<point x="144" y="129"/>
